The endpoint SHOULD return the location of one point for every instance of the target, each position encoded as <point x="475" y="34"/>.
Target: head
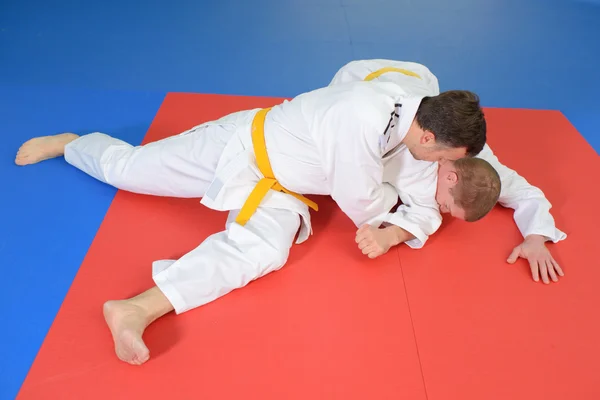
<point x="467" y="188"/>
<point x="447" y="127"/>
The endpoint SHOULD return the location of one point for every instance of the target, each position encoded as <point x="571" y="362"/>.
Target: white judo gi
<point x="532" y="209"/>
<point x="336" y="141"/>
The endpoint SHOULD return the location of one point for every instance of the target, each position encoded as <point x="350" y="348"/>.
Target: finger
<point x="551" y="272"/>
<point x="363" y="236"/>
<point x="535" y="272"/>
<point x="367" y="248"/>
<point x="512" y="258"/>
<point x="360" y="233"/>
<point x="543" y="272"/>
<point x="365" y="242"/>
<point x="557" y="267"/>
<point x="359" y="236"/>
<point x="375" y="253"/>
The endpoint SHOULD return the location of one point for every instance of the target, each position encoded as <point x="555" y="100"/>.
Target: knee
<point x="277" y="245"/>
<point x="266" y="239"/>
<point x="278" y="256"/>
<point x="261" y="253"/>
<point x="116" y="163"/>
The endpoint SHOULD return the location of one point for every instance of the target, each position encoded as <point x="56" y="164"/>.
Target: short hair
<point x="478" y="187"/>
<point x="455" y="118"/>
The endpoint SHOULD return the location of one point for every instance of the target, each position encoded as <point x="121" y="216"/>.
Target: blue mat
<point x="50" y="211"/>
<point x="107" y="65"/>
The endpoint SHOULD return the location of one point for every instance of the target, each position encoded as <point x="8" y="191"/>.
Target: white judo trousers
<point x="184" y="166"/>
<point x="332" y="141"/>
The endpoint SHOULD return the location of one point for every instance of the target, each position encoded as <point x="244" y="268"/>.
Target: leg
<point x="178" y="166"/>
<point x="223" y="262"/>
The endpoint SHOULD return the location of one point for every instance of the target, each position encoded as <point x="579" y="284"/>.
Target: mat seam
<point x="412" y="324"/>
<point x="344" y="6"/>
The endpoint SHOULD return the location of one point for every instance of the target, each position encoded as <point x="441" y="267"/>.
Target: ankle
<point x="152" y="304"/>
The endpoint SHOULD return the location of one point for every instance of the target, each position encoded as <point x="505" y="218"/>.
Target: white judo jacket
<point x="333" y="141"/>
<point x="532" y="209"/>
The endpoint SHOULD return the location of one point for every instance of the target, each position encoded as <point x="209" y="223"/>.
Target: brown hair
<point x="478" y="187"/>
<point x="455" y="118"/>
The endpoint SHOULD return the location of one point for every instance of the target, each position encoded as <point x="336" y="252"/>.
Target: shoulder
<point x="363" y="100"/>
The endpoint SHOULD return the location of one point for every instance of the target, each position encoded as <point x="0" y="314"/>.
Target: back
<point x="424" y="84"/>
<point x="328" y="142"/>
<point x="310" y="130"/>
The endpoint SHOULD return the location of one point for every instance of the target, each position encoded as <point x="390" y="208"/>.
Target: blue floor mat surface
<point x="106" y="66"/>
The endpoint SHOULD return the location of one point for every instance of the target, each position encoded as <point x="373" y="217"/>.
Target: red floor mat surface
<point x="484" y="329"/>
<point x="333" y="325"/>
<point x="329" y="325"/>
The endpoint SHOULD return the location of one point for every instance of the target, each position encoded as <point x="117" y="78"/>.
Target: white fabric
<point x="216" y="161"/>
<point x="342" y="141"/>
<point x="179" y="166"/>
<point x="324" y="142"/>
<point x="415" y="182"/>
<point x="532" y="209"/>
<point x="358" y="70"/>
<point x="184" y="166"/>
<point x="333" y="141"/>
<point x="228" y="260"/>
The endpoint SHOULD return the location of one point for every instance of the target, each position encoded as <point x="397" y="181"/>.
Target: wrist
<point x="398" y="235"/>
<point x="536" y="239"/>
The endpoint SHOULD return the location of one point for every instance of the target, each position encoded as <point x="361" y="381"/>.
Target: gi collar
<point x="405" y="110"/>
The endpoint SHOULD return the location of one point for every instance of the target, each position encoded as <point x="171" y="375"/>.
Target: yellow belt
<point x="268" y="182"/>
<point x="382" y="71"/>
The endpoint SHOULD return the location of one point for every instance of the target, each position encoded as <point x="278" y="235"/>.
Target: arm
<point x="533" y="218"/>
<point x="532" y="209"/>
<point x="356" y="175"/>
<point x="418" y="215"/>
<point x="416" y="218"/>
<point x="374" y="242"/>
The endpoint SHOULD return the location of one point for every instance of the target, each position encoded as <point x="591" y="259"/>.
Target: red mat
<point x="334" y="325"/>
<point x="484" y="329"/>
<point x="329" y="325"/>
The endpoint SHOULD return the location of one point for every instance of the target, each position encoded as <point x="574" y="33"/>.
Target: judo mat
<point x="450" y="321"/>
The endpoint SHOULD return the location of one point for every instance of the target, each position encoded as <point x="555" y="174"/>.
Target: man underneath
<point x="257" y="165"/>
<point x="464" y="188"/>
<point x="532" y="209"/>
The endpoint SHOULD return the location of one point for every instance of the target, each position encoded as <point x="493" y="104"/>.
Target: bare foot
<point x="43" y="148"/>
<point x="127" y="323"/>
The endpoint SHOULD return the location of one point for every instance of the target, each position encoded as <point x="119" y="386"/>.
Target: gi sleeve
<point x="356" y="167"/>
<point x="532" y="209"/>
<point x="419" y="212"/>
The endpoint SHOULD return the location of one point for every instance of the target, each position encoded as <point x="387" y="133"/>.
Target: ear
<point x="452" y="177"/>
<point x="428" y="138"/>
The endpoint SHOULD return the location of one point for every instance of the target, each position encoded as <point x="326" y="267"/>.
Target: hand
<point x="373" y="242"/>
<point x="540" y="260"/>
